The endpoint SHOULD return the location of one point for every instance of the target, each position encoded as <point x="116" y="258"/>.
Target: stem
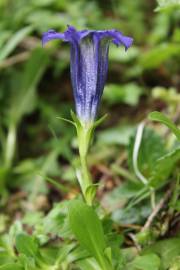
<point x="85" y="130"/>
<point x="84" y="133"/>
<point x="85" y="173"/>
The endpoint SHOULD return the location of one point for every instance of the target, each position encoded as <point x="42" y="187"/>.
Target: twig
<point x="132" y="236"/>
<point x="156" y="210"/>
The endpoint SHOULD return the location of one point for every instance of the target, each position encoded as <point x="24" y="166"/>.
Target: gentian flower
<point x="89" y="65"/>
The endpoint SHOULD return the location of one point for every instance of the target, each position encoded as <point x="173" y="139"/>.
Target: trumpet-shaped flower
<point x="89" y="65"/>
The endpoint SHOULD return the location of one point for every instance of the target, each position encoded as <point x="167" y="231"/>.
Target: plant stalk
<point x="84" y="134"/>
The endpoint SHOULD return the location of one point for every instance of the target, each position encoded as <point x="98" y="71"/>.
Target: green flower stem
<point x="85" y="173"/>
<point x="84" y="134"/>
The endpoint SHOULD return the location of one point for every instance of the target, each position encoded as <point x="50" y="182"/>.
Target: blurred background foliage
<point x="38" y="152"/>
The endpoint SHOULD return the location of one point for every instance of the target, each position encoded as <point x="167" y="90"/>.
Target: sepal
<point x="66" y="120"/>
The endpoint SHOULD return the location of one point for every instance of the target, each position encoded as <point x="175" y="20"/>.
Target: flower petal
<point x="50" y="35"/>
<point x="89" y="64"/>
<point x="120" y="39"/>
<point x="73" y="35"/>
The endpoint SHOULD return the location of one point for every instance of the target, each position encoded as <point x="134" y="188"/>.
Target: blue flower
<point x="89" y="65"/>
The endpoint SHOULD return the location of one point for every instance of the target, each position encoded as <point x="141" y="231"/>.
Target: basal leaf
<point x="145" y="262"/>
<point x="90" y="234"/>
<point x="88" y="229"/>
<point x="167" y="250"/>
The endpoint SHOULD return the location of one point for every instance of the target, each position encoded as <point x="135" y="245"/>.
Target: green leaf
<point x="23" y="99"/>
<point x="118" y="135"/>
<point x="90" y="234"/>
<point x="5" y="257"/>
<point x="146" y="262"/>
<point x="57" y="222"/>
<point x="128" y="94"/>
<point x="160" y="117"/>
<point x="11" y="266"/>
<point x="14" y="41"/>
<point x="56" y="184"/>
<point x="77" y="253"/>
<point x="60" y="255"/>
<point x="120" y="195"/>
<point x="131" y="215"/>
<point x="167" y="249"/>
<point x="166" y="4"/>
<point x="53" y="20"/>
<point x="31" y="218"/>
<point x="168" y="95"/>
<point x="158" y="55"/>
<point x="28" y="263"/>
<point x="27" y="245"/>
<point x="88" y="229"/>
<point x="88" y="264"/>
<point x="175" y="264"/>
<point x="164" y="167"/>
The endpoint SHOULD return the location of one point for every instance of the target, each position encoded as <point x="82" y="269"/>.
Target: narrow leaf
<point x="66" y="120"/>
<point x="99" y="121"/>
<point x="160" y="117"/>
<point x="14" y="41"/>
<point x="23" y="99"/>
